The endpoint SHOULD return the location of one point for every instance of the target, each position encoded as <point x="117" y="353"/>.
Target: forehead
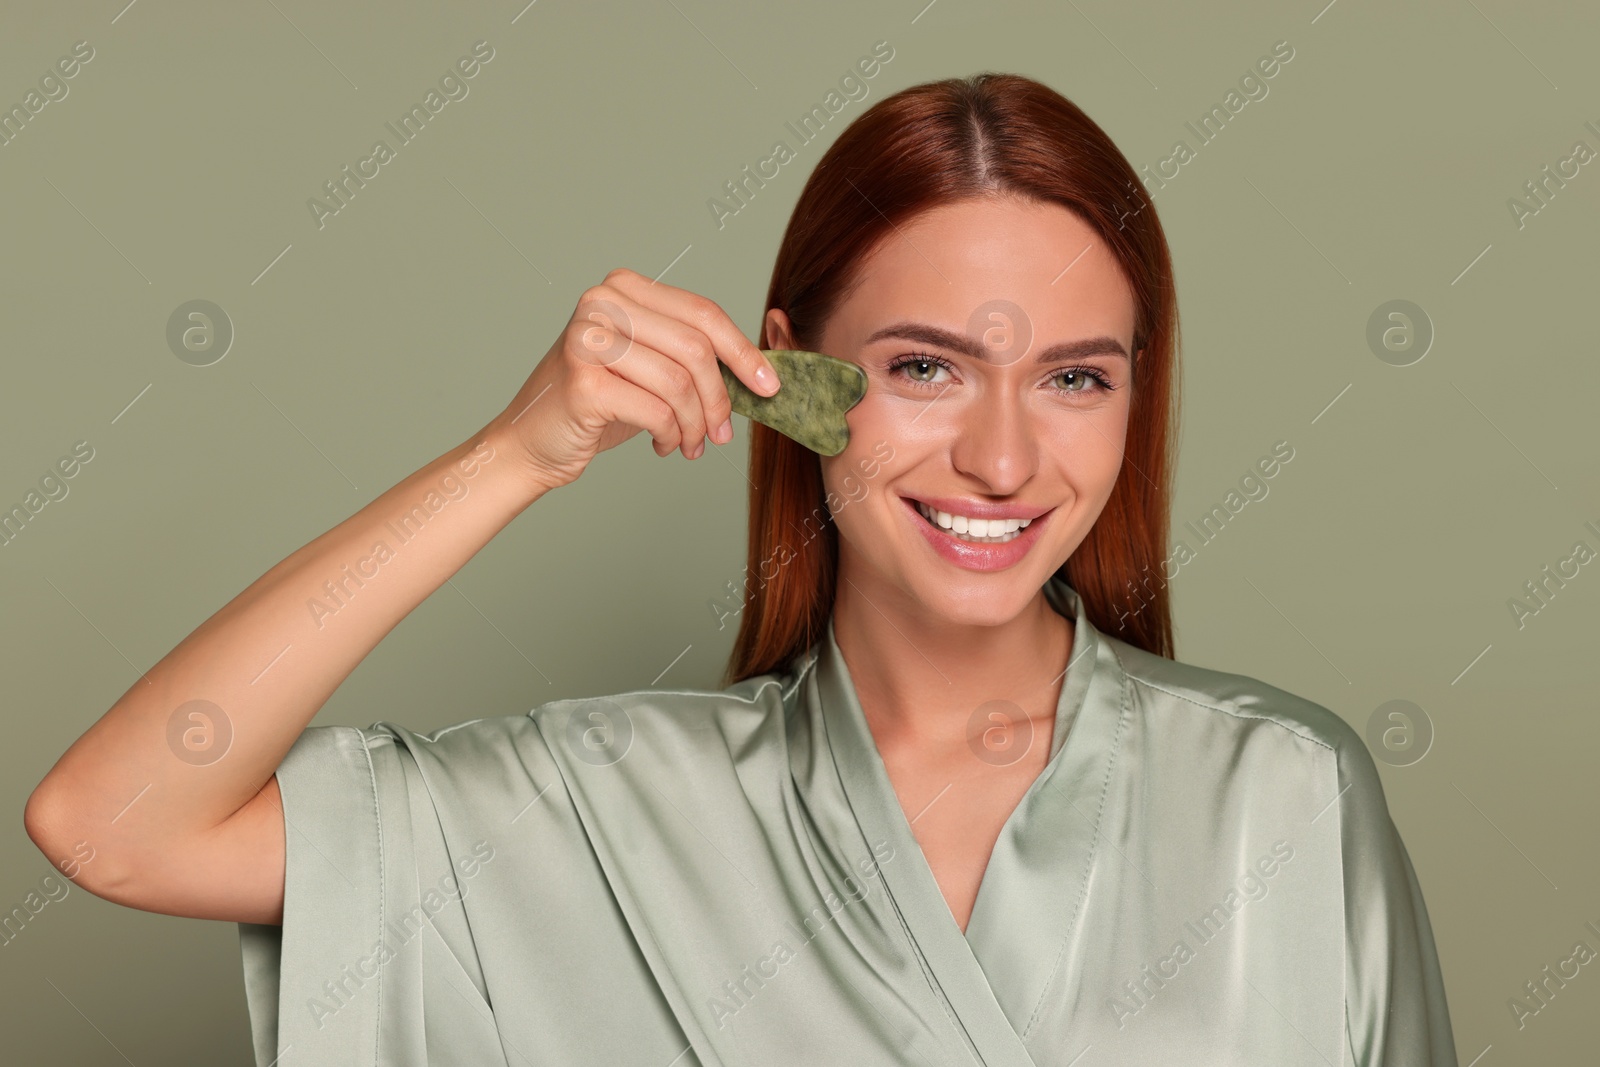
<point x="947" y="264"/>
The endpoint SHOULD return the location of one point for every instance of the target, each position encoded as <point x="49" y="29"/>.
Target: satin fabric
<point x="1205" y="872"/>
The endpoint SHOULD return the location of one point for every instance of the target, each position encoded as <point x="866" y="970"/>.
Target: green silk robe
<point x="1205" y="873"/>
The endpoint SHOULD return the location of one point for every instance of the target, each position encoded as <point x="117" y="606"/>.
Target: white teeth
<point x="991" y="531"/>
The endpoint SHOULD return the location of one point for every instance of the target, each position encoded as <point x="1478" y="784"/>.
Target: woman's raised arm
<point x="173" y="788"/>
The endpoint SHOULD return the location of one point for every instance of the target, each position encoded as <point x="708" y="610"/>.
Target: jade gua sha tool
<point x="810" y="407"/>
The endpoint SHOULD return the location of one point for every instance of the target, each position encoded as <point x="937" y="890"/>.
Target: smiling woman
<point x="949" y="671"/>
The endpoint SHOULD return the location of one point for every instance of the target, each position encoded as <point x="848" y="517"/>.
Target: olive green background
<point x="1380" y="565"/>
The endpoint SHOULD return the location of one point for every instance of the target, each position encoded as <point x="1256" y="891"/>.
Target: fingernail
<point x="725" y="431"/>
<point x="768" y="379"/>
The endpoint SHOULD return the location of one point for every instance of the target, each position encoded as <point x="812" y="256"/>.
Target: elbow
<point x="73" y="851"/>
<point x="41" y="818"/>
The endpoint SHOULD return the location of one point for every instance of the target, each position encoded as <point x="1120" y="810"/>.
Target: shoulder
<point x="1225" y="695"/>
<point x="491" y="737"/>
<point x="1247" y="707"/>
<point x="1289" y="759"/>
<point x="669" y="717"/>
<point x="505" y="750"/>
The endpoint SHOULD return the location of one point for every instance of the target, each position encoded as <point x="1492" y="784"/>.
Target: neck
<point x="921" y="679"/>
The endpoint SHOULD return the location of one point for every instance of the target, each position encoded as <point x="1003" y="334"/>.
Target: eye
<point x="1082" y="378"/>
<point x="920" y="363"/>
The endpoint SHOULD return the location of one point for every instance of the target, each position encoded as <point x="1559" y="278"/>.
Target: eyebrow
<point x="1064" y="352"/>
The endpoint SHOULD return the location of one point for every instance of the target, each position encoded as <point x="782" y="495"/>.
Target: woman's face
<point x="995" y="336"/>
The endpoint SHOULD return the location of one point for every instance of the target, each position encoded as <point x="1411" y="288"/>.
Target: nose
<point x="996" y="443"/>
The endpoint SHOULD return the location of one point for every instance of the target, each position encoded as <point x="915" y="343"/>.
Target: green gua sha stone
<point x="810" y="407"/>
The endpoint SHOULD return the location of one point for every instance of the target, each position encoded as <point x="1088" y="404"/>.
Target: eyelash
<point x="1100" y="379"/>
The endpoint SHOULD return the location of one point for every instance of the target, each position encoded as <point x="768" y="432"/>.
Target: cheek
<point x="877" y="450"/>
<point x="908" y="424"/>
<point x="1088" y="450"/>
<point x="859" y="472"/>
<point x="855" y="484"/>
<point x="869" y="420"/>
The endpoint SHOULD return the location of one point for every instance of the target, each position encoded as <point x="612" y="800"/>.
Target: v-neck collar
<point x="1019" y="939"/>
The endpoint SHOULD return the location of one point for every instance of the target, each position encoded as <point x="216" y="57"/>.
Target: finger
<point x="619" y="400"/>
<point x="692" y="350"/>
<point x="669" y="381"/>
<point x="729" y="342"/>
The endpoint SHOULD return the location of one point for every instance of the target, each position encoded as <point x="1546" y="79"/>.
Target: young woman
<point x="955" y="804"/>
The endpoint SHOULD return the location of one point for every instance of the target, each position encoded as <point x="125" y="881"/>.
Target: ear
<point x="778" y="335"/>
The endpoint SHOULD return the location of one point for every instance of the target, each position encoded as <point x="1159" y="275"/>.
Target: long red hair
<point x="923" y="147"/>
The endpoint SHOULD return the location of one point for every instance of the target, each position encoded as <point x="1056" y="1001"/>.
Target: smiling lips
<point x="977" y="535"/>
<point x="978" y="509"/>
<point x="971" y="529"/>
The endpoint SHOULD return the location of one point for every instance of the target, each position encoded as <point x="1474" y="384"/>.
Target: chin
<point x="974" y="599"/>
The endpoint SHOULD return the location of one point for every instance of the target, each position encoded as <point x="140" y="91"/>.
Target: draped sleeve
<point x="498" y="892"/>
<point x="1395" y="1006"/>
<point x="374" y="961"/>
